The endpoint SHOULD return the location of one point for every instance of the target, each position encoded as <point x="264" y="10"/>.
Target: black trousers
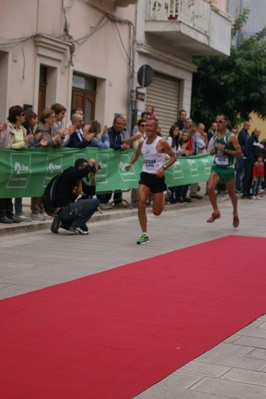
<point x="247" y="178"/>
<point x="6" y="207"/>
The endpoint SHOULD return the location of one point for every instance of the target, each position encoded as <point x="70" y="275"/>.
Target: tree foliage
<point x="235" y="85"/>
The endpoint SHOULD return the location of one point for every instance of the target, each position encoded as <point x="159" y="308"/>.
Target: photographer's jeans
<point x="78" y="213"/>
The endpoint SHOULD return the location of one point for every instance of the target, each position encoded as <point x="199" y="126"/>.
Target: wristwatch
<point x="225" y="151"/>
<point x="164" y="166"/>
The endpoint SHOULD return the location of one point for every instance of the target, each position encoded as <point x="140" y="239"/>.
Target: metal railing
<point x="195" y="13"/>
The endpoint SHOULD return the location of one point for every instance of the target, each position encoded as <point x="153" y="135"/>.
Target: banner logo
<point x="53" y="167"/>
<point x="20" y="170"/>
<point x="177" y="170"/>
<point x="193" y="166"/>
<point x="102" y="174"/>
<point x="122" y="161"/>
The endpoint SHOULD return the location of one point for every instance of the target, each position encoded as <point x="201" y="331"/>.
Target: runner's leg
<point x="143" y="194"/>
<point x="158" y="203"/>
<point x="231" y="191"/>
<point x="212" y="183"/>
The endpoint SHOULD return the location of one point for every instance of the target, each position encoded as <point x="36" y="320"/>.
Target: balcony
<point x="120" y="3"/>
<point x="197" y="26"/>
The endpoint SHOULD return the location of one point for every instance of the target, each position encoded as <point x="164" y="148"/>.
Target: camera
<point x="94" y="168"/>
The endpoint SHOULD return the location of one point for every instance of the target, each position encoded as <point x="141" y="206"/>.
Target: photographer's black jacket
<point x="68" y="183"/>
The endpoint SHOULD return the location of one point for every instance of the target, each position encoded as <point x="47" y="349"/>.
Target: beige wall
<point x="104" y="55"/>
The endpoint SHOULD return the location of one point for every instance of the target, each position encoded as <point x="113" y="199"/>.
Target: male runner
<point x="154" y="150"/>
<point x="226" y="148"/>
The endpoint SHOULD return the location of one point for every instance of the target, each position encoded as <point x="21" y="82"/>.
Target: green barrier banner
<point x="26" y="173"/>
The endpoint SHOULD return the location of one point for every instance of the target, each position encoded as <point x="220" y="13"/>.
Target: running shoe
<point x="235" y="221"/>
<point x="215" y="215"/>
<point x="144" y="239"/>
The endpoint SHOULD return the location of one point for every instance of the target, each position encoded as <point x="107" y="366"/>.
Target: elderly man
<point x="243" y="135"/>
<point x="251" y="151"/>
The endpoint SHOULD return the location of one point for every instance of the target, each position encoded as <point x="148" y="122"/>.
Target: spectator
<point x="173" y="141"/>
<point x="243" y="135"/>
<point x="258" y="177"/>
<point x="188" y="123"/>
<point x="212" y="131"/>
<point x="202" y="133"/>
<point x="15" y="137"/>
<point x="116" y="142"/>
<point x="46" y="130"/>
<point x="182" y="115"/>
<point x="93" y="129"/>
<point x="150" y="109"/>
<point x="60" y="113"/>
<point x="251" y="150"/>
<point x="184" y="150"/>
<point x="73" y="215"/>
<point x="144" y="115"/>
<point x="142" y="135"/>
<point x="76" y="139"/>
<point x="196" y="145"/>
<point x="30" y="125"/>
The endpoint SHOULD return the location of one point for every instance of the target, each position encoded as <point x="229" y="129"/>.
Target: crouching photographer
<point x="73" y="212"/>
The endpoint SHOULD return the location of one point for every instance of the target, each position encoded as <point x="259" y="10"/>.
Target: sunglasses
<point x="22" y="114"/>
<point x="220" y="121"/>
<point x="142" y="125"/>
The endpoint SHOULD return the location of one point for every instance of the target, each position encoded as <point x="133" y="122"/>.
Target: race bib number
<point x="221" y="160"/>
<point x="150" y="164"/>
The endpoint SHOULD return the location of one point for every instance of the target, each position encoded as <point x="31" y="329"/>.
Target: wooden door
<point x="84" y="99"/>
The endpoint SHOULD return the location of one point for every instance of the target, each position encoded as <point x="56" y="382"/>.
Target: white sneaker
<point x="104" y="206"/>
<point x="37" y="216"/>
<point x="258" y="197"/>
<point x="254" y="197"/>
<point x="23" y="218"/>
<point x="46" y="216"/>
<point x="121" y="205"/>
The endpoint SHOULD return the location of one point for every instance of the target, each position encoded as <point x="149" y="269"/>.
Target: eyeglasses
<point x="220" y="121"/>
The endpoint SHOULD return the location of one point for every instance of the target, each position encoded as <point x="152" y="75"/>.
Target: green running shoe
<point x="143" y="239"/>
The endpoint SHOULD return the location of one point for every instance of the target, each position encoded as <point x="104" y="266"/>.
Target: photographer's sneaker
<point x="78" y="230"/>
<point x="144" y="239"/>
<point x="55" y="225"/>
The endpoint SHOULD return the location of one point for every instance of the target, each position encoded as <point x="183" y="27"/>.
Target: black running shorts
<point x="155" y="184"/>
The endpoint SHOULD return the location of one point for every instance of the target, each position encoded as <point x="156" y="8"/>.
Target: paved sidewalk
<point x="30" y="260"/>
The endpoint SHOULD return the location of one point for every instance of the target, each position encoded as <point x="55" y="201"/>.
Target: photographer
<point x="72" y="214"/>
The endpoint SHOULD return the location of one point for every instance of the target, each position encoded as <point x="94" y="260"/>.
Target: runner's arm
<point x="237" y="152"/>
<point x="135" y="156"/>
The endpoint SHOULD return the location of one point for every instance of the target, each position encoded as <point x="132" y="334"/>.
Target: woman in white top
<point x="141" y="133"/>
<point x="174" y="139"/>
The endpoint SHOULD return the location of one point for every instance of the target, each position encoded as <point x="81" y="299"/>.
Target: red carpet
<point x="114" y="334"/>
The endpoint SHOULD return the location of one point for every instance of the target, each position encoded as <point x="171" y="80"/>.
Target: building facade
<point x="88" y="53"/>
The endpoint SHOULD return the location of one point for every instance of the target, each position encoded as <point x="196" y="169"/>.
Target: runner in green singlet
<point x="226" y="149"/>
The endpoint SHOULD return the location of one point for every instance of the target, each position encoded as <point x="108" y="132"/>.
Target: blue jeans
<point x="103" y="142"/>
<point x="239" y="173"/>
<point x="18" y="206"/>
<point x="77" y="213"/>
<point x="256" y="186"/>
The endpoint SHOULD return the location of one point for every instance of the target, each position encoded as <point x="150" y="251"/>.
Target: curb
<point x="24" y="227"/>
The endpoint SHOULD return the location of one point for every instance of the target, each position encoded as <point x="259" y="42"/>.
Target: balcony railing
<point x="195" y="13"/>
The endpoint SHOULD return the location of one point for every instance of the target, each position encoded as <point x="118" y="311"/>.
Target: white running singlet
<point x="152" y="159"/>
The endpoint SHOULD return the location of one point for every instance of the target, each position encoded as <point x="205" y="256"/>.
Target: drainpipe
<point x="131" y="84"/>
